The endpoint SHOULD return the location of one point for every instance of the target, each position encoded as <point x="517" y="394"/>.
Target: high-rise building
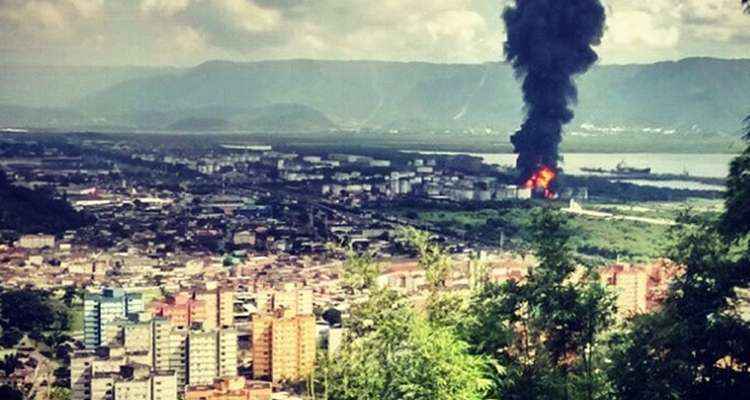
<point x="112" y="374"/>
<point x="133" y="382"/>
<point x="209" y="302"/>
<point x="640" y="288"/>
<point x="236" y="388"/>
<point x="632" y="288"/>
<point x="103" y="313"/>
<point x="283" y="345"/>
<point x="170" y="349"/>
<point x="180" y="310"/>
<point x="203" y="364"/>
<point x="136" y="336"/>
<point x="225" y="317"/>
<point x="227" y="349"/>
<point x="284" y="334"/>
<point x="211" y="354"/>
<point x="300" y="301"/>
<point x="212" y="308"/>
<point x="198" y="355"/>
<point x="163" y="385"/>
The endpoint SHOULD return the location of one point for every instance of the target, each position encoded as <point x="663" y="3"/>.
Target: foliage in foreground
<point x="736" y="220"/>
<point x="552" y="336"/>
<point x="698" y="345"/>
<point x="543" y="333"/>
<point x="394" y="353"/>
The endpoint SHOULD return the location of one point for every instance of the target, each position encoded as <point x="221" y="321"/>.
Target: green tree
<point x="697" y="346"/>
<point x="69" y="296"/>
<point x="392" y="353"/>
<point x="433" y="258"/>
<point x="60" y="393"/>
<point x="444" y="308"/>
<point x="11" y="337"/>
<point x="10" y="393"/>
<point x="736" y="220"/>
<point x="447" y="309"/>
<point x="9" y="364"/>
<point x="383" y="307"/>
<point x="359" y="271"/>
<point x="543" y="332"/>
<point x="32" y="312"/>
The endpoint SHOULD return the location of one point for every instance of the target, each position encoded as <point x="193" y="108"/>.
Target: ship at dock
<point x="620" y="169"/>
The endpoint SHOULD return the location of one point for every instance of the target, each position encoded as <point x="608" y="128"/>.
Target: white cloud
<point x="717" y="20"/>
<point x="88" y="8"/>
<point x="637" y="29"/>
<point x="439" y="30"/>
<point x="163" y="7"/>
<point x="645" y="31"/>
<point x="180" y="44"/>
<point x="188" y="31"/>
<point x="247" y="16"/>
<point x="46" y="15"/>
<point x="683" y="20"/>
<point x="185" y="40"/>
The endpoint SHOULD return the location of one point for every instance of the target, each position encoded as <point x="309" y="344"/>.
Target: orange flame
<point x="542" y="180"/>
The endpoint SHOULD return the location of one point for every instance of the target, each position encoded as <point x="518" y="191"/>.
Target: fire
<point x="542" y="180"/>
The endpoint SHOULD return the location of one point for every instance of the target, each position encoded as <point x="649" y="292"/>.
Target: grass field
<point x="603" y="238"/>
<point x="76" y="319"/>
<point x="663" y="210"/>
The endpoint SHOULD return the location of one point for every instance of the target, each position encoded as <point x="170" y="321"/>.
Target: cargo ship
<point x="621" y="169"/>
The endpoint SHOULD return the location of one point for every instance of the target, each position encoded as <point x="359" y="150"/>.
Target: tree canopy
<point x="393" y="353"/>
<point x="736" y="220"/>
<point x="35" y="211"/>
<point x="542" y="332"/>
<point x="30" y="312"/>
<point x="698" y="345"/>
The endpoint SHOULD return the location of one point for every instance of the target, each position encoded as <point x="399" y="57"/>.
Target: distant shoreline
<point x="433" y="142"/>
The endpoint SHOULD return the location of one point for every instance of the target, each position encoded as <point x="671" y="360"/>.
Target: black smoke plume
<point x="549" y="43"/>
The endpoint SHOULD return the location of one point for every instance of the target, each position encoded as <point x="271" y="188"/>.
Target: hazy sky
<point x="186" y="32"/>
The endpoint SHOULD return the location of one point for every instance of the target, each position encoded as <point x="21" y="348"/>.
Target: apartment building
<point x="640" y="288"/>
<point x="197" y="355"/>
<point x="103" y="313"/>
<point x="283" y="345"/>
<point x="115" y="374"/>
<point x="299" y="300"/>
<point x="213" y="308"/>
<point x="203" y="363"/>
<point x="169" y="349"/>
<point x="631" y="285"/>
<point x="136" y="336"/>
<point x="237" y="388"/>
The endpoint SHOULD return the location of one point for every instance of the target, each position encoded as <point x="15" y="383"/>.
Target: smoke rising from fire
<point x="549" y="42"/>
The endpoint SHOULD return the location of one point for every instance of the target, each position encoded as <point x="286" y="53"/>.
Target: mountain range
<point x="704" y="95"/>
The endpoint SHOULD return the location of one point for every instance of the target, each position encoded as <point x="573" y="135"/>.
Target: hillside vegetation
<point x="692" y="96"/>
<point x="24" y="210"/>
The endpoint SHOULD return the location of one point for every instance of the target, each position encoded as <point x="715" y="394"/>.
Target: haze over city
<point x="374" y="200"/>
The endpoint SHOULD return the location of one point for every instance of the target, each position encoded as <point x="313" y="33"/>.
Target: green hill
<point x="697" y="95"/>
<point x="34" y="211"/>
<point x="199" y="124"/>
